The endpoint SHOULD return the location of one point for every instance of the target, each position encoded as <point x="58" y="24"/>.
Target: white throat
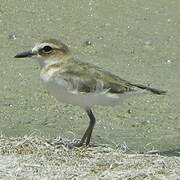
<point x="44" y="63"/>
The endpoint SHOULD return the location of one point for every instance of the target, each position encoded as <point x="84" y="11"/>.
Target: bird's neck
<point x="51" y="61"/>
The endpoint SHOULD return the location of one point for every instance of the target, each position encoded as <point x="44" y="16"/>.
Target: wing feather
<point x="87" y="78"/>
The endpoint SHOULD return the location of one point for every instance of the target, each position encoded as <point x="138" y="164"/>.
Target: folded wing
<point x="86" y="78"/>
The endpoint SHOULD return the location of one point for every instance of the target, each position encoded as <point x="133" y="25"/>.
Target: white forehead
<point x="41" y="45"/>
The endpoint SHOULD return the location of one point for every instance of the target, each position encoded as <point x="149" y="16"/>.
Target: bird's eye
<point x="47" y="49"/>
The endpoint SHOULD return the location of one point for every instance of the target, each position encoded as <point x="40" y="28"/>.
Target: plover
<point x="79" y="83"/>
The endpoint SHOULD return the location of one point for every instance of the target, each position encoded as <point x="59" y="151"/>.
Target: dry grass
<point x="31" y="157"/>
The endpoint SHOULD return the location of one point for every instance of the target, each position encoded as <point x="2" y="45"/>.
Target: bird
<point x="80" y="83"/>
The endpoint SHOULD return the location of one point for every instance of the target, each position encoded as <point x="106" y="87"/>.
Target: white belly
<point x="81" y="99"/>
<point x="63" y="91"/>
<point x="60" y="90"/>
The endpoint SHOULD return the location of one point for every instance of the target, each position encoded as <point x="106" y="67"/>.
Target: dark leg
<point x="88" y="132"/>
<point x="91" y="125"/>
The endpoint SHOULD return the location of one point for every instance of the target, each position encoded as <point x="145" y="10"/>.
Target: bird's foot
<point x="59" y="141"/>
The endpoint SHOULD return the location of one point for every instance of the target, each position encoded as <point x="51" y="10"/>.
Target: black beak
<point x="25" y="54"/>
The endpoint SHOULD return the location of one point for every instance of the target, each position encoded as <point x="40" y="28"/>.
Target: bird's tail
<point x="153" y="90"/>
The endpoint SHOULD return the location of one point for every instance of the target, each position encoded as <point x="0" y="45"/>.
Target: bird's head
<point x="47" y="51"/>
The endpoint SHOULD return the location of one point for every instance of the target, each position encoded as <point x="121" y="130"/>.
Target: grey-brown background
<point x="135" y="39"/>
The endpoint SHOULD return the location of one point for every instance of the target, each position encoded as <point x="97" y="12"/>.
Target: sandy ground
<point x="137" y="40"/>
<point x="31" y="157"/>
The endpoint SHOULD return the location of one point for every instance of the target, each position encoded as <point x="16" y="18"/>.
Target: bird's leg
<point x="91" y="125"/>
<point x="88" y="132"/>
